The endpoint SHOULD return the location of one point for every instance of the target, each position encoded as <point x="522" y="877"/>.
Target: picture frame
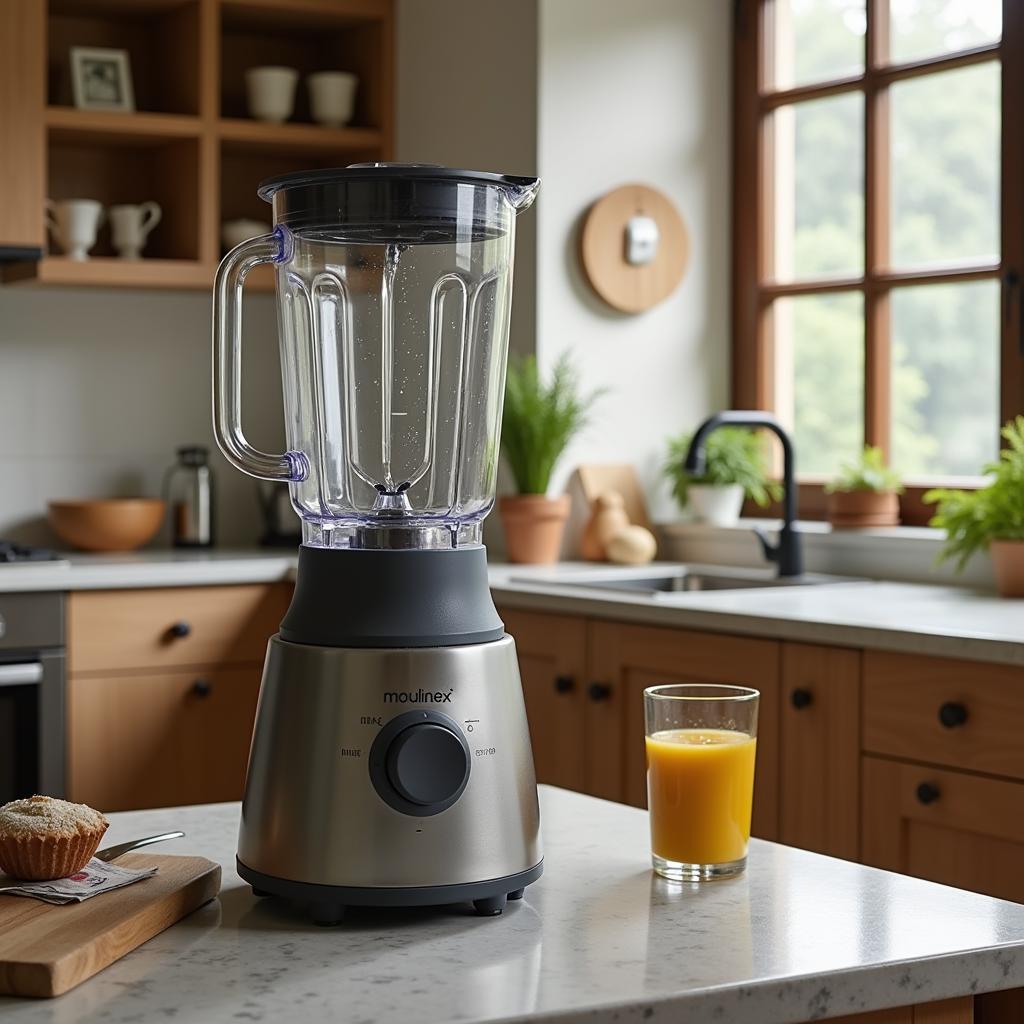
<point x="101" y="79"/>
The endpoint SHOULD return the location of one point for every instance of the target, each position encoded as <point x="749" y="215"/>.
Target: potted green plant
<point x="990" y="518"/>
<point x="734" y="470"/>
<point x="540" y="420"/>
<point x="865" y="493"/>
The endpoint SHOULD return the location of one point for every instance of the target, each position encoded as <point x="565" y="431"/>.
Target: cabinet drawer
<point x="160" y="739"/>
<point x="947" y="826"/>
<point x="964" y="714"/>
<point x="175" y="626"/>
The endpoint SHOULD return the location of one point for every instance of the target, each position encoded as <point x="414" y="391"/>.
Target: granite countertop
<point x="599" y="938"/>
<point x="149" y="568"/>
<point x="916" y="618"/>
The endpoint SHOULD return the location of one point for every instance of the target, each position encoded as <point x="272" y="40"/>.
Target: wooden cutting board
<point x="46" y="950"/>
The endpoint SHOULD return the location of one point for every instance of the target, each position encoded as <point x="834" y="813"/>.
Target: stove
<point x="13" y="553"/>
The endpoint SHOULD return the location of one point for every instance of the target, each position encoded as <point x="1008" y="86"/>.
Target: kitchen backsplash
<point x="97" y="388"/>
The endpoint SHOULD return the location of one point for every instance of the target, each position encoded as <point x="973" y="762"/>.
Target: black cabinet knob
<point x="801" y="698"/>
<point x="599" y="691"/>
<point x="952" y="714"/>
<point x="180" y="629"/>
<point x="928" y="793"/>
<point x="202" y="688"/>
<point x="564" y="684"/>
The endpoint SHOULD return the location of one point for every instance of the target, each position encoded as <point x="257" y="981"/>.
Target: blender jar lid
<point x="410" y="203"/>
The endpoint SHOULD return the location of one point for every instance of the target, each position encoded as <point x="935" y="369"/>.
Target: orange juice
<point x="700" y="786"/>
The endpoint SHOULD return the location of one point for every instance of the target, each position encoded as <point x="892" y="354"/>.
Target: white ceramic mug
<point x="271" y="93"/>
<point x="332" y="96"/>
<point x="235" y="232"/>
<point x="130" y="227"/>
<point x="74" y="223"/>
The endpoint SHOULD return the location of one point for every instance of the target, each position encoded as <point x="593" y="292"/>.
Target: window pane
<point x="928" y="28"/>
<point x="945" y="378"/>
<point x="945" y="167"/>
<point x="819" y="377"/>
<point x="816" y="40"/>
<point x="819" y="187"/>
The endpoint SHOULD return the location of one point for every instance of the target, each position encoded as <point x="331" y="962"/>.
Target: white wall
<point x="636" y="92"/>
<point x="466" y="96"/>
<point x="98" y="387"/>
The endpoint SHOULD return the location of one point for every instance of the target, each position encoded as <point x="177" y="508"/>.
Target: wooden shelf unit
<point x="188" y="145"/>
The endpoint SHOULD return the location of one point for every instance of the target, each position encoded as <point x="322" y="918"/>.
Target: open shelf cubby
<point x="189" y="144"/>
<point x="161" y="38"/>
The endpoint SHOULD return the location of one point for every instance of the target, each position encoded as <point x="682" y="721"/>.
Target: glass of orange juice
<point x="701" y="741"/>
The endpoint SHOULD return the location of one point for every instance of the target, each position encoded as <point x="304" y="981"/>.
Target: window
<point x="879" y="231"/>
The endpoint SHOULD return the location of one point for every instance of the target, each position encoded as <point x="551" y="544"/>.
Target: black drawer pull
<point x="801" y="698"/>
<point x="952" y="714"/>
<point x="202" y="688"/>
<point x="927" y="793"/>
<point x="180" y="629"/>
<point x="599" y="691"/>
<point x="564" y="684"/>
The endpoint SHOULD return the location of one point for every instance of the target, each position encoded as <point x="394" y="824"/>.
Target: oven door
<point x="31" y="725"/>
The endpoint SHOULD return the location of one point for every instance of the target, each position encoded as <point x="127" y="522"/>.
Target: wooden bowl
<point x="107" y="524"/>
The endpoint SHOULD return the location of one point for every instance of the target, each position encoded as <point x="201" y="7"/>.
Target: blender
<point x="390" y="762"/>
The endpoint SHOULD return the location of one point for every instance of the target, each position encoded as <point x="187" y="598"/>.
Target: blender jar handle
<point x="227" y="362"/>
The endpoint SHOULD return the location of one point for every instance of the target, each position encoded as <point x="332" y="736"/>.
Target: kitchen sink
<point x="682" y="579"/>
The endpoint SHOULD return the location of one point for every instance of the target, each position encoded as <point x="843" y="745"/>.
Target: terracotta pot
<point x="1008" y="566"/>
<point x="533" y="526"/>
<point x="858" y="509"/>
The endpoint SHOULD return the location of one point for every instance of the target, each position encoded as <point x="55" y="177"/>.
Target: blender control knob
<point x="428" y="764"/>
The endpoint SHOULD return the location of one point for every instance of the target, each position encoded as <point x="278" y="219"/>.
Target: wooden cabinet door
<point x="22" y="138"/>
<point x="171" y="627"/>
<point x="819" y="749"/>
<point x="625" y="659"/>
<point x="159" y="740"/>
<point x="963" y="830"/>
<point x="551" y="651"/>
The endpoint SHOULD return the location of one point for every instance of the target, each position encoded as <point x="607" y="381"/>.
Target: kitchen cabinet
<point x="584" y="681"/>
<point x="552" y="664"/>
<point x="819" y="749"/>
<point x="947" y="826"/>
<point x="189" y="143"/>
<point x="22" y="88"/>
<point x="162" y="690"/>
<point x="625" y="659"/>
<point x="909" y="762"/>
<point x="946" y="711"/>
<point x="172" y="626"/>
<point x="159" y="740"/>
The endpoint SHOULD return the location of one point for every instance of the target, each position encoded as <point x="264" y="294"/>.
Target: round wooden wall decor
<point x="634" y="247"/>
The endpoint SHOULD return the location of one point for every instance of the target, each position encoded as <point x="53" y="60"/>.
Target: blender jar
<point x="394" y="287"/>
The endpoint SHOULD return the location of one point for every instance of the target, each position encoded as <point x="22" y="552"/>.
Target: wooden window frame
<point x="753" y="292"/>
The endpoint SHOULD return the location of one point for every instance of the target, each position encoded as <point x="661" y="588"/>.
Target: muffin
<point x="43" y="838"/>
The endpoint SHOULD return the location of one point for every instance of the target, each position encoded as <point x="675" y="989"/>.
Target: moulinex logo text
<point x="419" y="697"/>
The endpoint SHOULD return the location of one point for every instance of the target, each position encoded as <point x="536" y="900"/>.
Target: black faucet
<point x="787" y="554"/>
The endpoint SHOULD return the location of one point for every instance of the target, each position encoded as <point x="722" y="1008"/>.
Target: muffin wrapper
<point x="41" y="858"/>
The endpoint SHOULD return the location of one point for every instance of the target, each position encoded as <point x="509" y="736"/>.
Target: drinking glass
<point x="701" y="741"/>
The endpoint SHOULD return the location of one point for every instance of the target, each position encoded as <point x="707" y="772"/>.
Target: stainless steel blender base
<point x="355" y="792"/>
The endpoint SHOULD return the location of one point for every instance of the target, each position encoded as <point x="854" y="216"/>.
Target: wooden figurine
<point x="607" y="518"/>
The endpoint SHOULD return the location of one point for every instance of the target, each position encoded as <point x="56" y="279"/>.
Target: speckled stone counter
<point x="598" y="938"/>
<point x="917" y="618"/>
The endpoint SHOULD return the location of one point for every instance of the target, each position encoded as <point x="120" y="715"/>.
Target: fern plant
<point x="734" y="455"/>
<point x="973" y="519"/>
<point x="868" y="473"/>
<point x="540" y="420"/>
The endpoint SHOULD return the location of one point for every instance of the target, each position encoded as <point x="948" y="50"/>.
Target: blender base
<point x="326" y="904"/>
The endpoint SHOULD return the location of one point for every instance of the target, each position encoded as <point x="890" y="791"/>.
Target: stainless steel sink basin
<point x="680" y="579"/>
